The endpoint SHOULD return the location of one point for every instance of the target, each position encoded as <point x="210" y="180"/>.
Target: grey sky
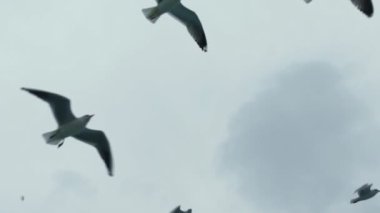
<point x="169" y="110"/>
<point x="302" y="145"/>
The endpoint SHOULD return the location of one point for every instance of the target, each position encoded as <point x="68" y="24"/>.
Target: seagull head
<point x="88" y="117"/>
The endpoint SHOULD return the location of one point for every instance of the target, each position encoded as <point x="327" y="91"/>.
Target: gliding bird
<point x="184" y="15"/>
<point x="69" y="125"/>
<point x="364" y="193"/>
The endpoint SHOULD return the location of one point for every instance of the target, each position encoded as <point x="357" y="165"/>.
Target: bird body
<point x="165" y="6"/>
<point x="69" y="125"/>
<point x="364" y="193"/>
<point x="71" y="128"/>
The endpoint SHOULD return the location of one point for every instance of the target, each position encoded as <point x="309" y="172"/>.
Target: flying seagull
<point x="69" y="125"/>
<point x="178" y="210"/>
<point x="184" y="15"/>
<point x="363" y="5"/>
<point x="364" y="193"/>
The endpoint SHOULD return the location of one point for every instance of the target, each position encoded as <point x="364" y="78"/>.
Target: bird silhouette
<point x="364" y="193"/>
<point x="178" y="210"/>
<point x="69" y="125"/>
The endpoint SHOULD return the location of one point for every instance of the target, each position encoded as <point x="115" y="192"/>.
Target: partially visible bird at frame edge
<point x="365" y="192"/>
<point x="178" y="210"/>
<point x="181" y="13"/>
<point x="363" y="5"/>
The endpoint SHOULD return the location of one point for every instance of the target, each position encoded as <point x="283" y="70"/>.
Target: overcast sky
<point x="280" y="115"/>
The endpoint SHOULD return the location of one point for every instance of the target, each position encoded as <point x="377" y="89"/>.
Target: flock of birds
<point x="71" y="126"/>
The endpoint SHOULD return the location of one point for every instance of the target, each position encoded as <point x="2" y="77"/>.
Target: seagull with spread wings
<point x="69" y="125"/>
<point x="183" y="14"/>
<point x="363" y="5"/>
<point x="365" y="192"/>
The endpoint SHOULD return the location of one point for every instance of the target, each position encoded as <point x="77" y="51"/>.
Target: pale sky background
<point x="281" y="115"/>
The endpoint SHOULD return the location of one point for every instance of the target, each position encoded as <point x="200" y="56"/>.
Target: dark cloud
<point x="298" y="146"/>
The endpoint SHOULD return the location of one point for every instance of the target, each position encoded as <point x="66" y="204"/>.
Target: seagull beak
<point x="92" y="115"/>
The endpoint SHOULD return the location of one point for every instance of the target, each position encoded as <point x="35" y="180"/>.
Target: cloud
<point x="72" y="182"/>
<point x="299" y="145"/>
<point x="71" y="192"/>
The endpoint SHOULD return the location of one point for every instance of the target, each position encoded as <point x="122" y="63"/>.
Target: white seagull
<point x="184" y="15"/>
<point x="363" y="5"/>
<point x="69" y="125"/>
<point x="364" y="193"/>
<point x="178" y="210"/>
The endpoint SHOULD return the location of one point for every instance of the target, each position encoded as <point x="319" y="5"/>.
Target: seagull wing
<point x="60" y="105"/>
<point x="364" y="189"/>
<point x="192" y="22"/>
<point x="176" y="210"/>
<point x="365" y="6"/>
<point x="99" y="140"/>
<point x="307" y="1"/>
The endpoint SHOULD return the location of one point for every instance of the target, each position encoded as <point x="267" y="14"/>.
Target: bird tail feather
<point x="355" y="200"/>
<point x="50" y="139"/>
<point x="152" y="14"/>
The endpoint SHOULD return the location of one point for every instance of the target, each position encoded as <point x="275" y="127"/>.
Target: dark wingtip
<point x="369" y="14"/>
<point x="27" y="89"/>
<point x="202" y="43"/>
<point x="203" y="46"/>
<point x="110" y="173"/>
<point x="366" y="7"/>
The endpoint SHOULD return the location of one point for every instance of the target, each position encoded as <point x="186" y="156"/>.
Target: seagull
<point x="183" y="14"/>
<point x="69" y="125"/>
<point x="364" y="193"/>
<point x="178" y="210"/>
<point x="363" y="5"/>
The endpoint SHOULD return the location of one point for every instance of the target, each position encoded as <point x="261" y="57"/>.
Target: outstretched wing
<point x="99" y="140"/>
<point x="176" y="210"/>
<point x="60" y="105"/>
<point x="364" y="189"/>
<point x="365" y="6"/>
<point x="192" y="22"/>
